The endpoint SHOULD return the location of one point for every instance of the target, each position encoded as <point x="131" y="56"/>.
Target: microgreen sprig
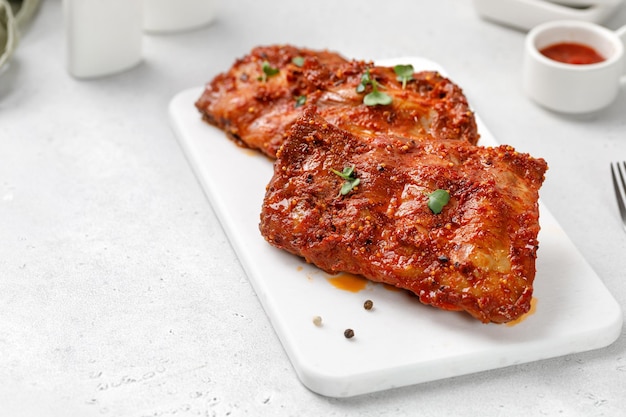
<point x="351" y="180"/>
<point x="268" y="71"/>
<point x="365" y="80"/>
<point x="437" y="200"/>
<point x="404" y="73"/>
<point x="375" y="97"/>
<point x="300" y="101"/>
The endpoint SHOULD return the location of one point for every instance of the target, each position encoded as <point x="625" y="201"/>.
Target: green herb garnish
<point x="300" y="100"/>
<point x="268" y="71"/>
<point x="404" y="73"/>
<point x="298" y="61"/>
<point x="437" y="200"/>
<point x="349" y="176"/>
<point x="365" y="80"/>
<point x="375" y="97"/>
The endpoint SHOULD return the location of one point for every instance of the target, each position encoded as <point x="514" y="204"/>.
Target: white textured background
<point x="119" y="292"/>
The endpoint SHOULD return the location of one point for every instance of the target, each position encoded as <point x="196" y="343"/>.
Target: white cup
<point x="103" y="36"/>
<point x="574" y="88"/>
<point x="165" y="16"/>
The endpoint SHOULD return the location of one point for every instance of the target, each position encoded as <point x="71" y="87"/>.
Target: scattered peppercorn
<point x="348" y="333"/>
<point x="317" y="320"/>
<point x="368" y="304"/>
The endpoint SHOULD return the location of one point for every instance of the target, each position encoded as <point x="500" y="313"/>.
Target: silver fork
<point x="617" y="172"/>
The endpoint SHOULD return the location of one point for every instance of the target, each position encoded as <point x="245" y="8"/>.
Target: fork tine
<point x="619" y="194"/>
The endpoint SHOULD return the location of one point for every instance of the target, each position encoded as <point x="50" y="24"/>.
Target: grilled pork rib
<point x="262" y="94"/>
<point x="477" y="255"/>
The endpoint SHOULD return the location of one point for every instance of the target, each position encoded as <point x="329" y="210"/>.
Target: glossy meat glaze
<point x="256" y="109"/>
<point x="307" y="109"/>
<point x="477" y="255"/>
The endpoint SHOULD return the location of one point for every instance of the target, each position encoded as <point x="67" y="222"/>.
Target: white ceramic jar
<point x="103" y="36"/>
<point x="164" y="16"/>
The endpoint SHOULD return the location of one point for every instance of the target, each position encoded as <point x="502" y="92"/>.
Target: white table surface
<point x="120" y="294"/>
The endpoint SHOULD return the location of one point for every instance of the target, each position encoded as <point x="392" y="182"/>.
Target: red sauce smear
<point x="572" y="53"/>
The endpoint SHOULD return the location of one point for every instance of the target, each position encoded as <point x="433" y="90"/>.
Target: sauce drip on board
<point x="572" y="53"/>
<point x="355" y="283"/>
<point x="348" y="282"/>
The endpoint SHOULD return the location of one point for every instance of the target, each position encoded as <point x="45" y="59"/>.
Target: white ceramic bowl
<point x="571" y="88"/>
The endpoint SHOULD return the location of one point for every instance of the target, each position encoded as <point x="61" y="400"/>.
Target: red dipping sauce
<point x="572" y="53"/>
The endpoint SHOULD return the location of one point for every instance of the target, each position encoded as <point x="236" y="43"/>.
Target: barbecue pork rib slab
<point x="477" y="255"/>
<point x="262" y="94"/>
